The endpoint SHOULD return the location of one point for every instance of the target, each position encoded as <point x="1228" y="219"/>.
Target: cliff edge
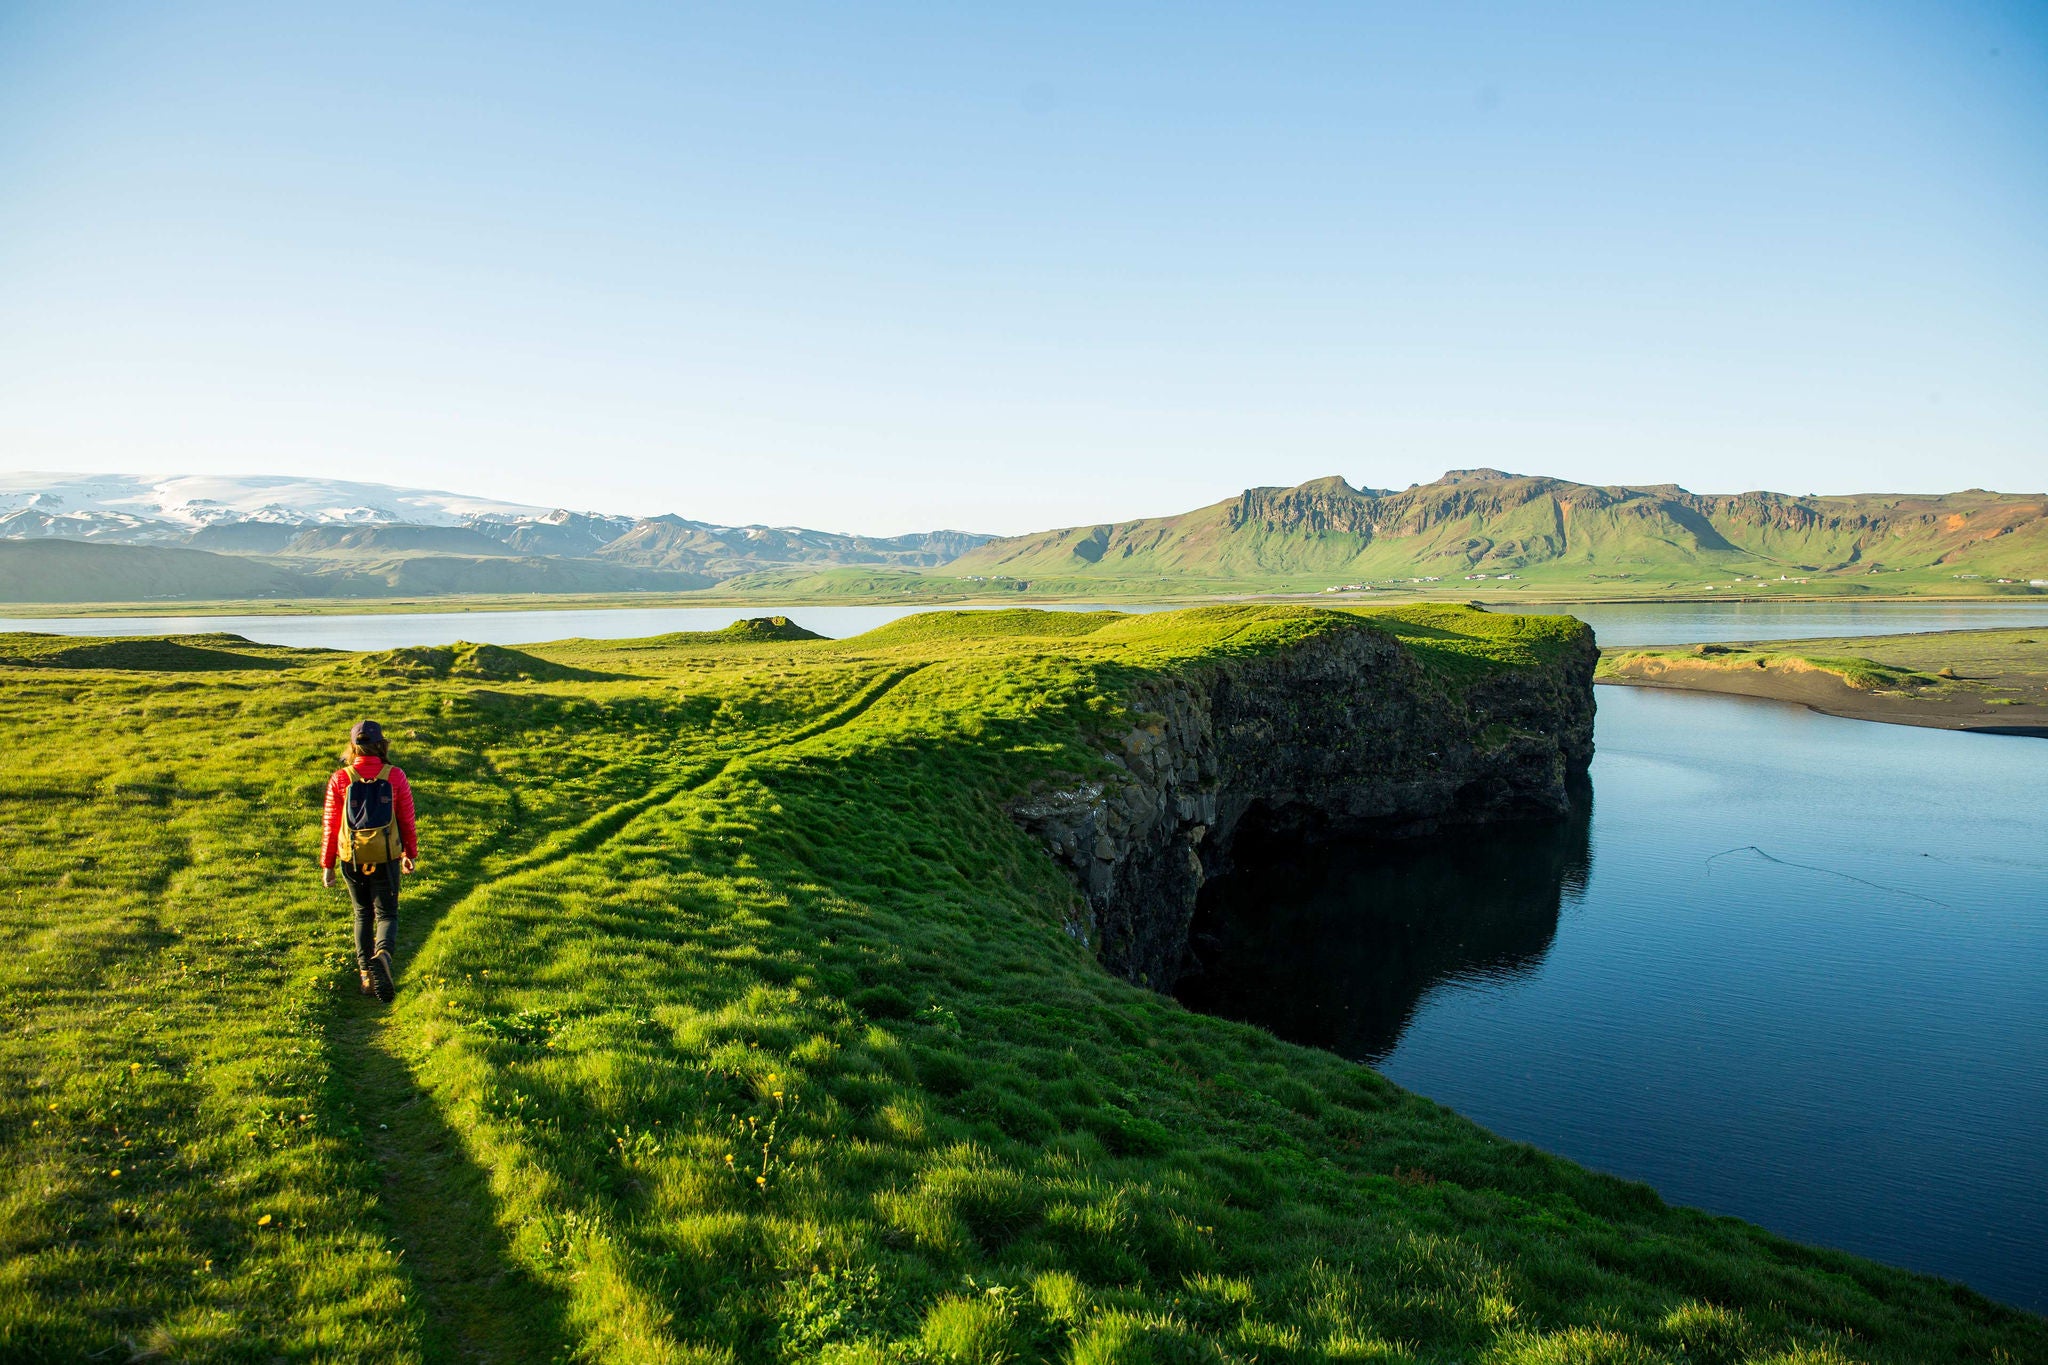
<point x="1347" y="733"/>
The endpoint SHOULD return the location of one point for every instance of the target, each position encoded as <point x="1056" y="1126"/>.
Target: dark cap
<point x="366" y="732"/>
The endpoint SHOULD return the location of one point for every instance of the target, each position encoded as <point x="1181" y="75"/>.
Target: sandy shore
<point x="1988" y="682"/>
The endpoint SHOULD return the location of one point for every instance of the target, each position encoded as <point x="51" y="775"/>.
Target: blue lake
<point x="1787" y="966"/>
<point x="1625" y="623"/>
<point x="393" y="630"/>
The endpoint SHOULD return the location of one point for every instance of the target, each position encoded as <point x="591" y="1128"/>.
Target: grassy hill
<point x="738" y="1023"/>
<point x="722" y="551"/>
<point x="1548" y="531"/>
<point x="437" y="574"/>
<point x="244" y="537"/>
<point x="78" y="571"/>
<point x="398" y="539"/>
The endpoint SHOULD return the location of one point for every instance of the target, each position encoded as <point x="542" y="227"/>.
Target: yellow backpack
<point x="369" y="821"/>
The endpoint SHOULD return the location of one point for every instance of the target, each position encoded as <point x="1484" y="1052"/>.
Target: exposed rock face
<point x="1342" y="735"/>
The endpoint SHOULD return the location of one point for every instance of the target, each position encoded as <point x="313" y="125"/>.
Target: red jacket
<point x="368" y="766"/>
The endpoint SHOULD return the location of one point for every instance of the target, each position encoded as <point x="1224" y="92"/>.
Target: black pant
<point x="375" y="896"/>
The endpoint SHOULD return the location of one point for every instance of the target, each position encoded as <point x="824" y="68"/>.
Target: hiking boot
<point x="381" y="977"/>
<point x="369" y="987"/>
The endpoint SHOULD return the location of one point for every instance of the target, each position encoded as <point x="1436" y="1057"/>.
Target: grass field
<point x="1950" y="679"/>
<point x="737" y="1024"/>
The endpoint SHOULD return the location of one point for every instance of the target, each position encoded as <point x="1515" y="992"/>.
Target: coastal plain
<point x="742" y="1020"/>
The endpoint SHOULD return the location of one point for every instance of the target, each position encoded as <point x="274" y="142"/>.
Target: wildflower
<point x="116" y="1173"/>
<point x="264" y="1221"/>
<point x="760" y="1180"/>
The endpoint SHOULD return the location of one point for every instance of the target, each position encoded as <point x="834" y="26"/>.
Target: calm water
<point x="1786" y="966"/>
<point x="1686" y="623"/>
<point x="1622" y="624"/>
<point x="397" y="629"/>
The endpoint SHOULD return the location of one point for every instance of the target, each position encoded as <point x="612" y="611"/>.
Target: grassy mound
<point x="1014" y="623"/>
<point x="463" y="660"/>
<point x="766" y="629"/>
<point x="158" y="654"/>
<point x="736" y="1025"/>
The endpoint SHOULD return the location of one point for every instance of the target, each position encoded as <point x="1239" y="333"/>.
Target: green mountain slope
<point x="672" y="542"/>
<point x="80" y="571"/>
<point x="1483" y="521"/>
<point x="395" y="539"/>
<point x="431" y="574"/>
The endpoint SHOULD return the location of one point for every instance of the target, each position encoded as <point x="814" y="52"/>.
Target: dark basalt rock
<point x="1342" y="736"/>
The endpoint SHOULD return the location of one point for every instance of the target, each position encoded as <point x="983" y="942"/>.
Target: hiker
<point x="369" y="823"/>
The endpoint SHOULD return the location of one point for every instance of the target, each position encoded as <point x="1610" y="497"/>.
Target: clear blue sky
<point x="887" y="268"/>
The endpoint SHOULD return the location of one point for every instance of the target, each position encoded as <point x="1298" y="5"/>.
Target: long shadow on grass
<point x="482" y="1305"/>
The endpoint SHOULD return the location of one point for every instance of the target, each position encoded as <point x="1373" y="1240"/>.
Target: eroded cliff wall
<point x="1343" y="735"/>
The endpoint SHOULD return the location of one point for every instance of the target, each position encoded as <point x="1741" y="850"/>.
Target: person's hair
<point x="351" y="751"/>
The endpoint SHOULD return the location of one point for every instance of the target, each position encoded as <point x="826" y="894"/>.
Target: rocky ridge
<point x="1344" y="735"/>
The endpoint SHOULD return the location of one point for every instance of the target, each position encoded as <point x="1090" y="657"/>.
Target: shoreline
<point x="456" y="605"/>
<point x="1873" y="713"/>
<point x="1976" y="681"/>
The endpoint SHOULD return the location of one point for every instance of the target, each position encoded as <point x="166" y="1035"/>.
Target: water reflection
<point x="1335" y="945"/>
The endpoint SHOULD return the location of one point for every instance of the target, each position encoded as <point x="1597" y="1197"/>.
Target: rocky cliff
<point x="1343" y="735"/>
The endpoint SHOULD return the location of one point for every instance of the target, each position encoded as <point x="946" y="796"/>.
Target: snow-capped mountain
<point x="324" y="536"/>
<point x="33" y="523"/>
<point x="186" y="502"/>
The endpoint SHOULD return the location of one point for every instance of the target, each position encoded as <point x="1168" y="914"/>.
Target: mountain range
<point x="1475" y="523"/>
<point x="199" y="536"/>
<point x="66" y="538"/>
